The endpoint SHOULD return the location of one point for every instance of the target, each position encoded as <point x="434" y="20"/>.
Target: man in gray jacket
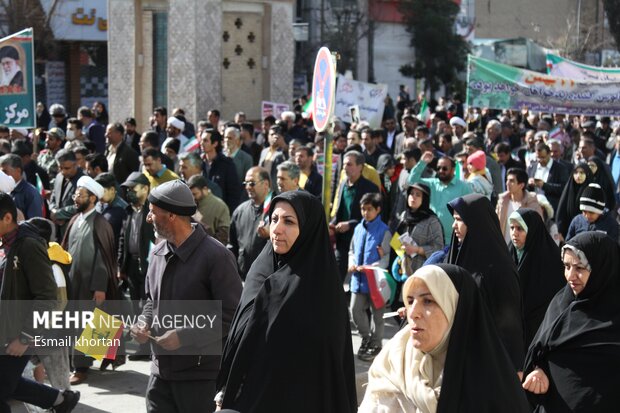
<point x="187" y="265"/>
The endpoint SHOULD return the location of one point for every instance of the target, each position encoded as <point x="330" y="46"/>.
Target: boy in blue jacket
<point x="370" y="246"/>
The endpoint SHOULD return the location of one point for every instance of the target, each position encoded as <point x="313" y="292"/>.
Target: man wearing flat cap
<point x="187" y="265"/>
<point x="12" y="75"/>
<point x="135" y="242"/>
<point x="90" y="241"/>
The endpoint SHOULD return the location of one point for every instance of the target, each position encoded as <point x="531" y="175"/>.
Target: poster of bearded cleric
<point x="17" y="93"/>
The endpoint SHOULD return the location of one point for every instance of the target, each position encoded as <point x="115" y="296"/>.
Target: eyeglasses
<point x="251" y="184"/>
<point x="443" y="168"/>
<point x="78" y="196"/>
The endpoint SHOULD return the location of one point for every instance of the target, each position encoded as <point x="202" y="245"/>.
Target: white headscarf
<point x="403" y="378"/>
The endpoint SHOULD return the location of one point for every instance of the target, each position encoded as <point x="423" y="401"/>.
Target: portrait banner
<point x="369" y="97"/>
<point x="497" y="86"/>
<point x="561" y="67"/>
<point x="272" y="109"/>
<point x="17" y="95"/>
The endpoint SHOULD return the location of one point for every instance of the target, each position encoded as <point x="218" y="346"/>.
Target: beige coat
<point x="529" y="201"/>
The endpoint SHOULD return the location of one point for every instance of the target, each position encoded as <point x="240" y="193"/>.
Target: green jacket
<point x="27" y="277"/>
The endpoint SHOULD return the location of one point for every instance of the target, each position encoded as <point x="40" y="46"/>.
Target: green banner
<point x="561" y="67"/>
<point x="17" y="105"/>
<point x="497" y="86"/>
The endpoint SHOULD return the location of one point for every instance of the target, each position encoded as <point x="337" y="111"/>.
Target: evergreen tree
<point x="440" y="53"/>
<point x="612" y="9"/>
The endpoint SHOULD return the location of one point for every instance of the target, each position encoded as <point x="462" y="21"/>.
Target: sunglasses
<point x="443" y="168"/>
<point x="251" y="184"/>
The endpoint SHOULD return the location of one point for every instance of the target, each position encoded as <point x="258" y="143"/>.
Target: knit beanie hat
<point x="174" y="196"/>
<point x="592" y="199"/>
<point x="478" y="160"/>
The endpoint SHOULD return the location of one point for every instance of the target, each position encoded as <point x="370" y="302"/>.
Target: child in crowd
<point x="477" y="178"/>
<point x="594" y="216"/>
<point x="370" y="246"/>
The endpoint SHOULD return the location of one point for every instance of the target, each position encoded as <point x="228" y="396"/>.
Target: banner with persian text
<point x="369" y="97"/>
<point x="498" y="86"/>
<point x="17" y="80"/>
<point x="561" y="67"/>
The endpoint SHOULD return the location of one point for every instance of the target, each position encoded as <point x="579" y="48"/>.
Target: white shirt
<point x="542" y="172"/>
<point x="390" y="138"/>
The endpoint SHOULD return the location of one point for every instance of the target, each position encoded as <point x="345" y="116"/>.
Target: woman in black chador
<point x="478" y="246"/>
<point x="573" y="362"/>
<point x="289" y="346"/>
<point x="541" y="272"/>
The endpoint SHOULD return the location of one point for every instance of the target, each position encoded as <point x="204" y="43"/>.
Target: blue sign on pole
<point x="323" y="89"/>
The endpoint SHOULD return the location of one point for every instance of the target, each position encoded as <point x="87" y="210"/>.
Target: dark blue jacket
<point x="115" y="213"/>
<point x="28" y="199"/>
<point x="605" y="223"/>
<point x="366" y="238"/>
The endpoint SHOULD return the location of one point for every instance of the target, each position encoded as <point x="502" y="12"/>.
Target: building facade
<point x="199" y="55"/>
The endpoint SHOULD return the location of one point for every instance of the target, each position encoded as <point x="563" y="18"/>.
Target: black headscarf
<point x="541" y="272"/>
<point x="568" y="207"/>
<point x="289" y="347"/>
<point x="485" y="255"/>
<point x="478" y="376"/>
<point x="412" y="217"/>
<point x="578" y="342"/>
<point x="604" y="178"/>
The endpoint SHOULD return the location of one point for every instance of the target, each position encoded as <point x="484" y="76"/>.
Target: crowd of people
<point x="500" y="229"/>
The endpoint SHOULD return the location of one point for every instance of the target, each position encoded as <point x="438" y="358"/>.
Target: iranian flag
<point x="555" y="133"/>
<point x="381" y="286"/>
<point x="425" y="113"/>
<point x="307" y="109"/>
<point x="192" y="145"/>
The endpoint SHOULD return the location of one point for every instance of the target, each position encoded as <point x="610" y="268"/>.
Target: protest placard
<point x="369" y="97"/>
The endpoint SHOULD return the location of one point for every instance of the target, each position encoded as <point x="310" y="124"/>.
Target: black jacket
<point x="147" y="236"/>
<point x="362" y="186"/>
<point x="314" y="184"/>
<point x="32" y="170"/>
<point x="27" y="276"/>
<point x="200" y="270"/>
<point x="126" y="161"/>
<point x="558" y="176"/>
<point x="223" y="172"/>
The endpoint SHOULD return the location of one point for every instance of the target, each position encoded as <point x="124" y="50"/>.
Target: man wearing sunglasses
<point x="444" y="188"/>
<point x="249" y="229"/>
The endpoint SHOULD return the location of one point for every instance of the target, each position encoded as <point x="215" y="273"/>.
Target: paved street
<point x="123" y="390"/>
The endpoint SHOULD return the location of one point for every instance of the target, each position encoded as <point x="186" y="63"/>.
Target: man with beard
<point x="212" y="212"/>
<point x="186" y="265"/>
<point x="135" y="242"/>
<point x="409" y="124"/>
<point x="12" y="75"/>
<point x="444" y="188"/>
<point x="90" y="241"/>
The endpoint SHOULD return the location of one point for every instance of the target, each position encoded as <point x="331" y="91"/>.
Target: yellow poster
<point x="396" y="245"/>
<point x="101" y="338"/>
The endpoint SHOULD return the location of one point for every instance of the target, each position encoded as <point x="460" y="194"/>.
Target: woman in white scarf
<point x="419" y="365"/>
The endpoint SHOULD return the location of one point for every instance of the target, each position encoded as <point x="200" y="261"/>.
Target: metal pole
<point x="328" y="151"/>
<point x="578" y="21"/>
